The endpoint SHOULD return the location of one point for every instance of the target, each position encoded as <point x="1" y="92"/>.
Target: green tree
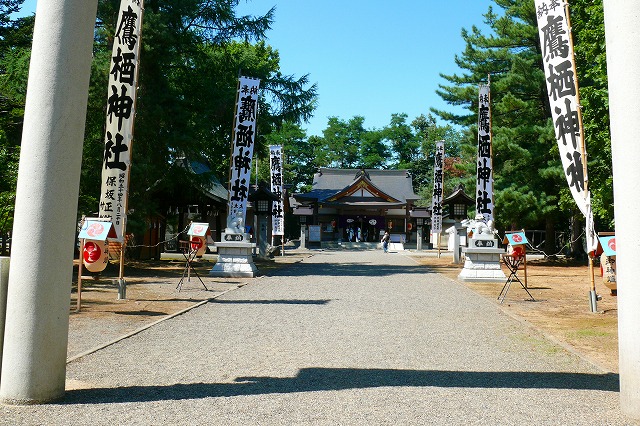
<point x="347" y="144"/>
<point x="587" y="19"/>
<point x="297" y="156"/>
<point x="15" y="41"/>
<point x="428" y="132"/>
<point x="192" y="52"/>
<point x="374" y="153"/>
<point x="342" y="141"/>
<point x="527" y="170"/>
<point x="404" y="144"/>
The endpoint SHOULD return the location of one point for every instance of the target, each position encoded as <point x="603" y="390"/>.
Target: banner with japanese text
<point x="484" y="170"/>
<point x="562" y="89"/>
<point x="244" y="134"/>
<point x="438" y="188"/>
<point x="275" y="163"/>
<point x="123" y="76"/>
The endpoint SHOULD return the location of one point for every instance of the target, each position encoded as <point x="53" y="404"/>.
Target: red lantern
<point x="198" y="244"/>
<point x="95" y="255"/>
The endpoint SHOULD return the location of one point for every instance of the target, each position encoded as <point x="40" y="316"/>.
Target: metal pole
<point x="80" y="265"/>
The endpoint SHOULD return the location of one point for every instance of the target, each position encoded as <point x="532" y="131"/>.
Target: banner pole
<point x="79" y="296"/>
<point x="583" y="151"/>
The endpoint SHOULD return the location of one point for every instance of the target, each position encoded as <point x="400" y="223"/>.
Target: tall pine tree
<point x="527" y="170"/>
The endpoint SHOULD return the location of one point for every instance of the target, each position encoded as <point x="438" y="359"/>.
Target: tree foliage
<point x="15" y="42"/>
<point x="527" y="170"/>
<point x="192" y="53"/>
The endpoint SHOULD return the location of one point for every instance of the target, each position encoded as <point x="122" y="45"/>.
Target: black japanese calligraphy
<point x="120" y="105"/>
<point x="247" y="110"/>
<point x="126" y="33"/>
<point x="242" y="161"/>
<point x="244" y="136"/>
<point x="124" y="67"/>
<point x="112" y="152"/>
<point x="561" y="80"/>
<point x="556" y="42"/>
<point x="482" y="202"/>
<point x="239" y="190"/>
<point x="575" y="171"/>
<point x="567" y="124"/>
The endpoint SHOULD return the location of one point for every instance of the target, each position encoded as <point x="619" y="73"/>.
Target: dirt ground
<point x="561" y="310"/>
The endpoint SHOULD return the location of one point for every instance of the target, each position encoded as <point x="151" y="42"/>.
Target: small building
<point x="359" y="204"/>
<point x="456" y="209"/>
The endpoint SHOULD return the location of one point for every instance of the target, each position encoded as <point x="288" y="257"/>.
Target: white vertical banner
<point x="438" y="188"/>
<point x="562" y="89"/>
<point x="244" y="136"/>
<point x="275" y="163"/>
<point x="484" y="170"/>
<point x="123" y="79"/>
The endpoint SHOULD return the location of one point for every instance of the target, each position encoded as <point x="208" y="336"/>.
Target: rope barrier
<point x="160" y="242"/>
<point x="537" y="250"/>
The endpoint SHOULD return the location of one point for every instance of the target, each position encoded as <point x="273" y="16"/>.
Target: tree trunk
<point x="577" y="250"/>
<point x="550" y="248"/>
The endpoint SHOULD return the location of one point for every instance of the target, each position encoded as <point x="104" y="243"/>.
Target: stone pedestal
<point x="482" y="262"/>
<point x="235" y="257"/>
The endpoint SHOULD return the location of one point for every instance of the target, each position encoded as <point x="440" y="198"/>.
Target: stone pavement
<point x="341" y="338"/>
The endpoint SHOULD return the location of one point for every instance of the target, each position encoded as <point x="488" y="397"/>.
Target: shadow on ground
<point x="365" y="269"/>
<point x="332" y="379"/>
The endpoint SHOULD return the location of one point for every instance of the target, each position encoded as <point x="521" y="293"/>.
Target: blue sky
<point x="371" y="58"/>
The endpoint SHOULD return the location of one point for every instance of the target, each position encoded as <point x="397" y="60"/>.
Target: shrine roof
<point x="396" y="186"/>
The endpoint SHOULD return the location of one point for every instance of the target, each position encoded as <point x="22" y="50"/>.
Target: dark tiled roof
<point x="327" y="182"/>
<point x="213" y="188"/>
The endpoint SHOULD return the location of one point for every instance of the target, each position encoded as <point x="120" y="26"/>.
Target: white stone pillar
<point x="622" y="26"/>
<point x="36" y="333"/>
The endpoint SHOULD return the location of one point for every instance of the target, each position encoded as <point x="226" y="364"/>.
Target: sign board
<point x="121" y="102"/>
<point x="515" y="239"/>
<point x="198" y="229"/>
<point x="95" y="229"/>
<point x="234" y="237"/>
<point x="438" y="188"/>
<point x="314" y="233"/>
<point x="484" y="170"/>
<point x="608" y="245"/>
<point x="244" y="136"/>
<point x="277" y="208"/>
<point x="484" y="243"/>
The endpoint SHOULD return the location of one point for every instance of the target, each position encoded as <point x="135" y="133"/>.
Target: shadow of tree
<point x="331" y="379"/>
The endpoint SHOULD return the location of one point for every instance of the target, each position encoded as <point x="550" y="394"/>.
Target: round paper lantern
<point x="198" y="244"/>
<point x="95" y="255"/>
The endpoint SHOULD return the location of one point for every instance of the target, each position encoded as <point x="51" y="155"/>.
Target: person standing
<point x="385" y="241"/>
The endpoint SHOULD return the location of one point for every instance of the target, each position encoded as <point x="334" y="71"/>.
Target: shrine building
<point x="357" y="205"/>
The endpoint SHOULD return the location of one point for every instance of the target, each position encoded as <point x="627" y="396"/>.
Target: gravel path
<point x="342" y="338"/>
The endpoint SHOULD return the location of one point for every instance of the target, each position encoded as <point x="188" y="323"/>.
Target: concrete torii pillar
<point x="622" y="28"/>
<point x="36" y="333"/>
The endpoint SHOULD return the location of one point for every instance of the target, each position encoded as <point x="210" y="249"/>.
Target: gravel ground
<point x="342" y="338"/>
